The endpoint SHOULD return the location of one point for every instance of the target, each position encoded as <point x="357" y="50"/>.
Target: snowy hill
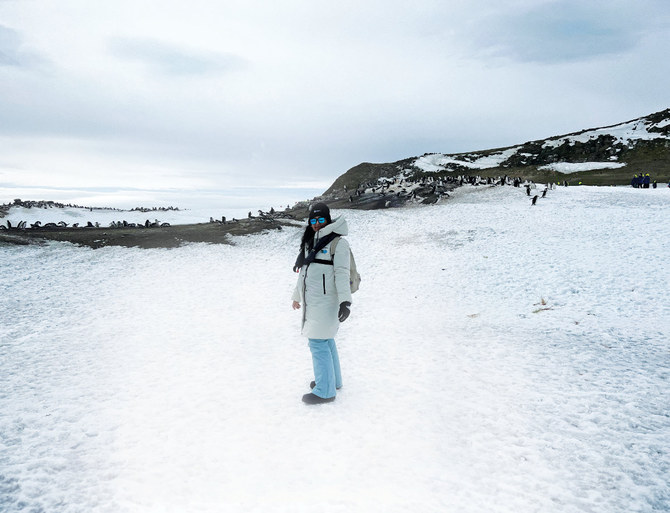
<point x="598" y="156"/>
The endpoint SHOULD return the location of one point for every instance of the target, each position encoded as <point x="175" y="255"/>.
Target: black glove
<point x="299" y="262"/>
<point x="344" y="311"/>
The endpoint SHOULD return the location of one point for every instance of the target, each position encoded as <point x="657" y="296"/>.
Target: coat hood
<point x="339" y="226"/>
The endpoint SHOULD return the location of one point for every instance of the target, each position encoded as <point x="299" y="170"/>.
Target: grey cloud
<point x="10" y="48"/>
<point x="563" y="31"/>
<point x="13" y="53"/>
<point x="172" y="60"/>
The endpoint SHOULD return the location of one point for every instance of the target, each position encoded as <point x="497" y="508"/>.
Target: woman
<point x="324" y="292"/>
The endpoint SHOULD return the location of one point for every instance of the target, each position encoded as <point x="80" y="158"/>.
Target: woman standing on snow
<point x="323" y="289"/>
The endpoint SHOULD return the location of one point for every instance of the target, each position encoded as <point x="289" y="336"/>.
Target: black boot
<point x="313" y="384"/>
<point x="315" y="399"/>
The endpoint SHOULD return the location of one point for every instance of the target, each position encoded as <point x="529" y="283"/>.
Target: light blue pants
<point x="326" y="367"/>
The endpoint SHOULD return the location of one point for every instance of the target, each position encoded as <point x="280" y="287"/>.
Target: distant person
<point x="324" y="292"/>
<point x="646" y="181"/>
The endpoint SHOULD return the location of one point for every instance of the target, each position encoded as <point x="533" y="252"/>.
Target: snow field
<point x="499" y="357"/>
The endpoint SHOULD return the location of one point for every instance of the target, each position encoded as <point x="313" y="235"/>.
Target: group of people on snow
<point x="642" y="181"/>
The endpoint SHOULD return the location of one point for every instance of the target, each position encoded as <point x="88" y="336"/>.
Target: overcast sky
<point x="113" y="101"/>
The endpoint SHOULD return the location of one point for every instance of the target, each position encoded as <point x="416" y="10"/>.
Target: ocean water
<point x="499" y="357"/>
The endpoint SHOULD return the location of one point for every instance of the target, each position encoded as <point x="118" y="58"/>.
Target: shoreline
<point x="145" y="238"/>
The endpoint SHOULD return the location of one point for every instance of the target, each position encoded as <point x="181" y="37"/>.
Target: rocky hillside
<point x="597" y="156"/>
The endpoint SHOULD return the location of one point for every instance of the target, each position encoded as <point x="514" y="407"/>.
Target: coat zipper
<point x="324" y="283"/>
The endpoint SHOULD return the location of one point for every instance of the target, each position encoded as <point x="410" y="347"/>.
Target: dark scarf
<point x="305" y="260"/>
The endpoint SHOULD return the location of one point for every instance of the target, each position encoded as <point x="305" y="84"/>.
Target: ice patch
<point x="575" y="167"/>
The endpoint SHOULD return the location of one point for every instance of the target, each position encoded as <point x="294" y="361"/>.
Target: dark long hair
<point x="307" y="241"/>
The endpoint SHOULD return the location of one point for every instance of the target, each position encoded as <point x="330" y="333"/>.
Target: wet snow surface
<point x="499" y="357"/>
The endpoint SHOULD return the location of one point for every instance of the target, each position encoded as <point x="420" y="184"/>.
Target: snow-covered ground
<point x="499" y="358"/>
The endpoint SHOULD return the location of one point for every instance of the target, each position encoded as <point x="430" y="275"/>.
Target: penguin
<point x="534" y="199"/>
<point x="544" y="193"/>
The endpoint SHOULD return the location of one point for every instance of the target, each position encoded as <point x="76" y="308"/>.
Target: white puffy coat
<point x="321" y="287"/>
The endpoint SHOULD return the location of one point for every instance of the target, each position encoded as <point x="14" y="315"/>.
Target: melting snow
<point x="439" y="162"/>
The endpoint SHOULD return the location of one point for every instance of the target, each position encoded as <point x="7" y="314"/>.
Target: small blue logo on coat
<point x="324" y="251"/>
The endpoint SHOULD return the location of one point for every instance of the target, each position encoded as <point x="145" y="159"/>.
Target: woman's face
<point x="317" y="223"/>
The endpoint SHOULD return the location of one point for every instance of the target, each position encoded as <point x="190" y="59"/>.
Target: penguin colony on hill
<point x="420" y="188"/>
<point x="428" y="189"/>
